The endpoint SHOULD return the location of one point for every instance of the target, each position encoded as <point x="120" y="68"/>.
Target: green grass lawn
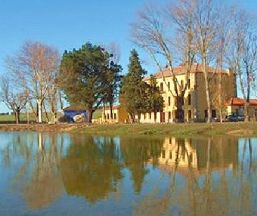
<point x="32" y="117"/>
<point x="23" y="118"/>
<point x="192" y="129"/>
<point x="11" y="118"/>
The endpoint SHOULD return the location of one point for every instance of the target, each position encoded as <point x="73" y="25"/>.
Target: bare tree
<point x="243" y="56"/>
<point x="36" y="66"/>
<point x="14" y="98"/>
<point x="154" y="32"/>
<point x="206" y="20"/>
<point x="223" y="41"/>
<point x="54" y="95"/>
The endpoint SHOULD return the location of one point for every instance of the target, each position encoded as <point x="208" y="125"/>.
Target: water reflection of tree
<point x="92" y="168"/>
<point x="45" y="184"/>
<point x="136" y="154"/>
<point x="37" y="176"/>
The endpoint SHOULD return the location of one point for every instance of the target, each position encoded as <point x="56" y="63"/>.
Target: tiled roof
<point x="113" y="107"/>
<point x="182" y="70"/>
<point x="240" y="102"/>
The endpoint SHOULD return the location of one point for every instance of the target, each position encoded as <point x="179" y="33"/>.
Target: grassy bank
<point x="200" y="129"/>
<point x="185" y="130"/>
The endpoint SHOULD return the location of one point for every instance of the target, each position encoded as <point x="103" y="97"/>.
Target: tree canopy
<point x="88" y="76"/>
<point x="137" y="95"/>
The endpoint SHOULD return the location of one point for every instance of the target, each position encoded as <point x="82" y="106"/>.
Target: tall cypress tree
<point x="134" y="89"/>
<point x="155" y="99"/>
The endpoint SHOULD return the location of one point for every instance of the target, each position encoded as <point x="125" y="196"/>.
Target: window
<point x="169" y="115"/>
<point x="170" y="140"/>
<point x="189" y="114"/>
<point x="189" y="99"/>
<point x="108" y="116"/>
<point x="144" y="115"/>
<point x="213" y="113"/>
<point x="170" y="154"/>
<point x="188" y="84"/>
<point x="168" y="101"/>
<point x="169" y="85"/>
<point x="150" y="116"/>
<point x="115" y="116"/>
<point x="161" y="86"/>
<point x="163" y="153"/>
<point x="205" y="113"/>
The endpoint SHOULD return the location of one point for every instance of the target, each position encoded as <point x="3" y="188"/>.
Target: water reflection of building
<point x="178" y="152"/>
<point x="199" y="155"/>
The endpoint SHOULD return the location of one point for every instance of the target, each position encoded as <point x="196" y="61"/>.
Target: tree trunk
<point x="17" y="116"/>
<point x="138" y="117"/>
<point x="46" y="114"/>
<point x="220" y="97"/>
<point x="90" y="115"/>
<point x="104" y="112"/>
<point x="207" y="90"/>
<point x="39" y="110"/>
<point x="246" y="114"/>
<point x="53" y="111"/>
<point x="132" y="117"/>
<point x="111" y="111"/>
<point x="180" y="111"/>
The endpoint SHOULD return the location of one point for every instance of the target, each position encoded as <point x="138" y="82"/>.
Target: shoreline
<point x="239" y="129"/>
<point x="57" y="128"/>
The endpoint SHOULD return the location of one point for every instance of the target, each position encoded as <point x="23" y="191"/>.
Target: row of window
<point x="181" y="85"/>
<point x="189" y="114"/>
<point x="108" y="116"/>
<point x="188" y="100"/>
<point x="190" y="156"/>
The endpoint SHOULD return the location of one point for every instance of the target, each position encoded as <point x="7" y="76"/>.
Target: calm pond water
<point x="48" y="174"/>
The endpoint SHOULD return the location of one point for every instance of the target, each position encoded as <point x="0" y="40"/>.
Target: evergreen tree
<point x="113" y="78"/>
<point x="134" y="89"/>
<point x="88" y="77"/>
<point x="155" y="99"/>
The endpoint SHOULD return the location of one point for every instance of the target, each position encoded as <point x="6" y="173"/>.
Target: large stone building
<point x="223" y="97"/>
<point x="195" y="105"/>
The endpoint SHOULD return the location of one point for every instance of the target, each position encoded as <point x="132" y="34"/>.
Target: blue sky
<point x="67" y="24"/>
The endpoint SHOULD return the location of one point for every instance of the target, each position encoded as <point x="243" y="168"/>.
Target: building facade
<point x="119" y="115"/>
<point x="223" y="95"/>
<point x="195" y="104"/>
